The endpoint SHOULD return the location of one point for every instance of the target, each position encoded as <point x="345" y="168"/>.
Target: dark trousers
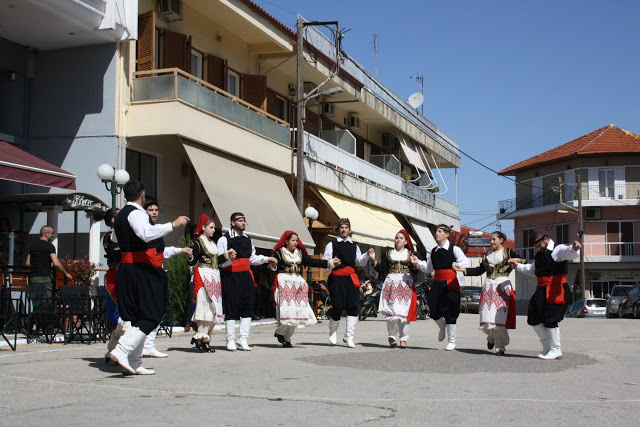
<point x="344" y="296"/>
<point x="142" y="295"/>
<point x="540" y="311"/>
<point x="443" y="302"/>
<point x="238" y="293"/>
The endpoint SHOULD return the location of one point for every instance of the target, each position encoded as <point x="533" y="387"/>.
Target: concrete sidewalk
<point x="596" y="383"/>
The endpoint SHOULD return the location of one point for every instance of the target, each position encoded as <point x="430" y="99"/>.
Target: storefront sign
<point x="82" y="202"/>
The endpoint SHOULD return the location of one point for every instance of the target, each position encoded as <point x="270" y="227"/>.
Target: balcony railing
<point x="328" y="154"/>
<point x="589" y="192"/>
<point x="596" y="249"/>
<point x="175" y="84"/>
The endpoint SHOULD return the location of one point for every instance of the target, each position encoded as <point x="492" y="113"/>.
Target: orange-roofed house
<point x="606" y="164"/>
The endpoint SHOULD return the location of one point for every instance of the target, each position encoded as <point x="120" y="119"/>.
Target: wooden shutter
<point x="176" y="53"/>
<point x="311" y="122"/>
<point x="146" y="46"/>
<point x="254" y="90"/>
<point x="271" y="102"/>
<point x="217" y="71"/>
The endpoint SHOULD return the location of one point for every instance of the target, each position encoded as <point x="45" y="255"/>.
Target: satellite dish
<point x="416" y="100"/>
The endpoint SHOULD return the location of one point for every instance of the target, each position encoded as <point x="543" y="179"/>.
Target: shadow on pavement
<point x="100" y="363"/>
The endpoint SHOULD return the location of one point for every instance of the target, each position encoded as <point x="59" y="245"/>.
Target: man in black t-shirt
<point x="42" y="255"/>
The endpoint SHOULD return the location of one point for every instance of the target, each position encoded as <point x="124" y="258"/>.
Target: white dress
<point x="292" y="293"/>
<point x="496" y="293"/>
<point x="397" y="291"/>
<point x="209" y="296"/>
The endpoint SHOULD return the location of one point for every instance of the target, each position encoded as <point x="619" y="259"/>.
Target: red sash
<point x="197" y="283"/>
<point x="110" y="283"/>
<point x="347" y="271"/>
<point x="240" y="265"/>
<point x="511" y="311"/>
<point x="150" y="256"/>
<point x="448" y="275"/>
<point x="413" y="308"/>
<point x="555" y="290"/>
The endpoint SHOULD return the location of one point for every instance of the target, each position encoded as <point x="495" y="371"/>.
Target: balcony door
<point x="620" y="238"/>
<point x="606" y="183"/>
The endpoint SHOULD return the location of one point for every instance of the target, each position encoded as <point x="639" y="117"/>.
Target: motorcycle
<point x="321" y="300"/>
<point x="370" y="301"/>
<point x="422" y="307"/>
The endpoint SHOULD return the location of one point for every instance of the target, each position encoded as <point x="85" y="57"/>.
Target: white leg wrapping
<point x="403" y="330"/>
<point x="149" y="349"/>
<point x="333" y="331"/>
<point x="243" y="339"/>
<point x="451" y="333"/>
<point x="204" y="332"/>
<point x="543" y="333"/>
<point x="392" y="328"/>
<point x="442" y="325"/>
<point x="287" y="332"/>
<point x="352" y="321"/>
<point x="554" y="345"/>
<point x="230" y="329"/>
<point x="501" y="336"/>
<point x="127" y="343"/>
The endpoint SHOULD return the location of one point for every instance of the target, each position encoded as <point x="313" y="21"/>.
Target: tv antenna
<point x="376" y="48"/>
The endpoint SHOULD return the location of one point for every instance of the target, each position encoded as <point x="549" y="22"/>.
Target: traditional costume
<point x="344" y="286"/>
<point x="497" y="299"/>
<point x="141" y="284"/>
<point x="548" y="304"/>
<point x="399" y="299"/>
<point x="238" y="286"/>
<point x="291" y="291"/>
<point x="112" y="254"/>
<point x="444" y="295"/>
<point x="207" y="287"/>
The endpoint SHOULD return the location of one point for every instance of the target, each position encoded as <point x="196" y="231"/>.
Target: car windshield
<point x="596" y="303"/>
<point x="620" y="291"/>
<point x="471" y="289"/>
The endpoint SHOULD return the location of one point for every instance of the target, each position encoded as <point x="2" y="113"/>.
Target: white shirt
<point x="559" y="253"/>
<point x="253" y="259"/>
<point x="139" y="223"/>
<point x="427" y="266"/>
<point x="361" y="258"/>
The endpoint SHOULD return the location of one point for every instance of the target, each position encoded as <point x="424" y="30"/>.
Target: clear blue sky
<point x="505" y="79"/>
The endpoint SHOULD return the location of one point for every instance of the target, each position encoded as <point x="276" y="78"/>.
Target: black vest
<point x="111" y="249"/>
<point x="241" y="244"/>
<point x="127" y="239"/>
<point x="345" y="252"/>
<point x="546" y="266"/>
<point x="441" y="259"/>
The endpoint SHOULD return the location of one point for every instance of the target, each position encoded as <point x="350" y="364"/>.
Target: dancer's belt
<point x="240" y="265"/>
<point x="150" y="256"/>
<point x="555" y="288"/>
<point x="447" y="275"/>
<point x="347" y="271"/>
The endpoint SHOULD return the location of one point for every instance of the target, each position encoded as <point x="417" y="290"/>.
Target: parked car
<point x="613" y="302"/>
<point x="591" y="307"/>
<point x="630" y="304"/>
<point x="469" y="296"/>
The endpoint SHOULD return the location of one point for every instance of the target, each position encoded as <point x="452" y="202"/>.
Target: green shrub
<point x="179" y="279"/>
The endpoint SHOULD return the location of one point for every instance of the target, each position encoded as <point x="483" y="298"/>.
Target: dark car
<point x="469" y="296"/>
<point x="613" y="302"/>
<point x="630" y="304"/>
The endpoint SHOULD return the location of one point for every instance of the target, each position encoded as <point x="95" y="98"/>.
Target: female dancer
<point x="399" y="297"/>
<point x="291" y="292"/>
<point x="206" y="282"/>
<point x="497" y="299"/>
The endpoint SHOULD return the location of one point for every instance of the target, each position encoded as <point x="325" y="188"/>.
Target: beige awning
<point x="235" y="185"/>
<point x="369" y="224"/>
<point x="424" y="234"/>
<point x="411" y="153"/>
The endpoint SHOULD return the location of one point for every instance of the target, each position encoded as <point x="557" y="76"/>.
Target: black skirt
<point x="540" y="311"/>
<point x="443" y="302"/>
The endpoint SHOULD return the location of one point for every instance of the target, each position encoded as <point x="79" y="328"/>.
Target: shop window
<point x="143" y="167"/>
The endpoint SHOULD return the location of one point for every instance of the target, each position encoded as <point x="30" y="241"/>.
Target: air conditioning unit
<point x="171" y="9"/>
<point x="329" y="110"/>
<point x="592" y="213"/>
<point x="354" y="123"/>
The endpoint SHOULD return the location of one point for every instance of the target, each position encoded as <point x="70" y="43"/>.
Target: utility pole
<point x="300" y="116"/>
<point x="583" y="274"/>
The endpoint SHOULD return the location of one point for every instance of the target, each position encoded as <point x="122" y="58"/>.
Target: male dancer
<point x="444" y="295"/>
<point x="549" y="302"/>
<point x="140" y="283"/>
<point x="343" y="283"/>
<point x="112" y="254"/>
<point x="153" y="211"/>
<point x="237" y="281"/>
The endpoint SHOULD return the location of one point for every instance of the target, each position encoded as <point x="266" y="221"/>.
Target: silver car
<point x="617" y="294"/>
<point x="592" y="307"/>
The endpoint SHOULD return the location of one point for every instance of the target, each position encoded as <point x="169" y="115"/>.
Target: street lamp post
<point x="312" y="214"/>
<point x="113" y="180"/>
<point x="579" y="214"/>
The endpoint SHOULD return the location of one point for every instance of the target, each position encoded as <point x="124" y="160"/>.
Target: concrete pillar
<point x="94" y="243"/>
<point x="52" y="220"/>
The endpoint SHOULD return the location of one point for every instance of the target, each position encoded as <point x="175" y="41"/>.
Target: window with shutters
<point x="280" y="107"/>
<point x="196" y="63"/>
<point x="233" y="83"/>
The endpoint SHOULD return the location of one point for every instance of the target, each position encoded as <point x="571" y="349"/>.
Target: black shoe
<point x="287" y="344"/>
<point x="500" y="352"/>
<point x="490" y="345"/>
<point x="206" y="348"/>
<point x="280" y="338"/>
<point x="193" y="341"/>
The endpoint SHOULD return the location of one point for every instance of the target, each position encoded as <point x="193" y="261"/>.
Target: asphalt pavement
<point x="597" y="382"/>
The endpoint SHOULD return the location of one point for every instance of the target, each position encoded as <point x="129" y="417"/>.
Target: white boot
<point x="554" y="345"/>
<point x="352" y="321"/>
<point x="543" y="333"/>
<point x="113" y="339"/>
<point x="135" y="361"/>
<point x="230" y="328"/>
<point x="333" y="331"/>
<point x="149" y="349"/>
<point x="245" y="327"/>
<point x="441" y="324"/>
<point x="451" y="332"/>
<point x="128" y="342"/>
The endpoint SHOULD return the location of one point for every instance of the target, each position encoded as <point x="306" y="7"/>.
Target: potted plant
<point x="82" y="270"/>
